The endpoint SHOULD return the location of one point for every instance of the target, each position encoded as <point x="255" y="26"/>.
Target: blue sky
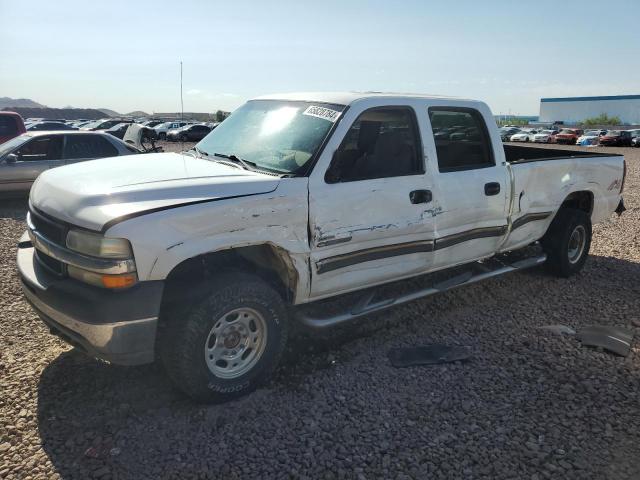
<point x="125" y="55"/>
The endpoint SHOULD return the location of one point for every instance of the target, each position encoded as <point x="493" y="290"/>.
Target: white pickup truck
<point x="315" y="207"/>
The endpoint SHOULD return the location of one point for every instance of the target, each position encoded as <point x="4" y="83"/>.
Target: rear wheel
<point x="227" y="344"/>
<point x="567" y="242"/>
<point x="162" y="136"/>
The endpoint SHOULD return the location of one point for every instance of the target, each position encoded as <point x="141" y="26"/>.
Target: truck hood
<point x="92" y="194"/>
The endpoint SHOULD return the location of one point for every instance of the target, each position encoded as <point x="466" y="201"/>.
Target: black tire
<point x="566" y="254"/>
<point x="162" y="136"/>
<point x="185" y="339"/>
<point x="183" y="138"/>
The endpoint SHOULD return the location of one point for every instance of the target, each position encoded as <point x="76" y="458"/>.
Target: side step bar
<point x="367" y="305"/>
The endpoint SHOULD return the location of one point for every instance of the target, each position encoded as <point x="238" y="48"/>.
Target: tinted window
<point x="382" y="142"/>
<point x="41" y="148"/>
<point x="8" y="125"/>
<point x="88" y="146"/>
<point x="461" y="138"/>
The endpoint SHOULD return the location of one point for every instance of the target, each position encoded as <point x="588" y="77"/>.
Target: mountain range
<point x="8" y="102"/>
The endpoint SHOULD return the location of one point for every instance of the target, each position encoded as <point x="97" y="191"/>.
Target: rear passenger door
<point x="81" y="147"/>
<point x="470" y="188"/>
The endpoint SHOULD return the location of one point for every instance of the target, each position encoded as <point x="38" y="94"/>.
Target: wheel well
<point x="187" y="281"/>
<point x="582" y="200"/>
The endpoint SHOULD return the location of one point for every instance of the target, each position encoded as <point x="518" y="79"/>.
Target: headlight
<point x="98" y="246"/>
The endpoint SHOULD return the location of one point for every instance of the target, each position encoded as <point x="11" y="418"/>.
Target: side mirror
<point x="12" y="158"/>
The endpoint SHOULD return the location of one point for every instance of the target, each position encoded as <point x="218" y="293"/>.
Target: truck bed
<point x="521" y="154"/>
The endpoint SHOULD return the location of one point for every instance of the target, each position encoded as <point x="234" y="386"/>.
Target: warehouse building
<point x="571" y="110"/>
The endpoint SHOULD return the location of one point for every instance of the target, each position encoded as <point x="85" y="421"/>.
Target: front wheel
<point x="227" y="344"/>
<point x="567" y="242"/>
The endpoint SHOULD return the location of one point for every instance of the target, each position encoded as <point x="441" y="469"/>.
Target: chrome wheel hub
<point x="577" y="242"/>
<point x="235" y="343"/>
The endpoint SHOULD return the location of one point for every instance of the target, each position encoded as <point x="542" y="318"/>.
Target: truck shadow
<point x="92" y="415"/>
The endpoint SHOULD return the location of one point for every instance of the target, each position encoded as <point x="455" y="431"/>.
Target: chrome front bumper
<point x="119" y="327"/>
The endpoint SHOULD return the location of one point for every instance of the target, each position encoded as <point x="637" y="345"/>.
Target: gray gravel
<point x="530" y="405"/>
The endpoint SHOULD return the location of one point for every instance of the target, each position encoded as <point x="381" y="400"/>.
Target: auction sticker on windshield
<point x="322" y="112"/>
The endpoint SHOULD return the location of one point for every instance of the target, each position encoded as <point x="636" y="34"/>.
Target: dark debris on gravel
<point x="530" y="405"/>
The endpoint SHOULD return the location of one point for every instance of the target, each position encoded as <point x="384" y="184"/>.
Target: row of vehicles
<point x="174" y="130"/>
<point x="572" y="136"/>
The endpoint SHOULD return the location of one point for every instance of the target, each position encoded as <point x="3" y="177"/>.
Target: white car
<point x="524" y="136"/>
<point x="164" y="128"/>
<point x="298" y="208"/>
<point x="545" y="136"/>
<point x="590" y="137"/>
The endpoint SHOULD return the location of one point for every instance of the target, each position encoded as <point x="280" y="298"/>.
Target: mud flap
<point x="620" y="208"/>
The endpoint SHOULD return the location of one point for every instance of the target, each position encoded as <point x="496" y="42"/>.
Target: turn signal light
<point x="119" y="281"/>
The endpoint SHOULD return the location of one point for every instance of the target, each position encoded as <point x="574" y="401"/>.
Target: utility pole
<point x="181" y="99"/>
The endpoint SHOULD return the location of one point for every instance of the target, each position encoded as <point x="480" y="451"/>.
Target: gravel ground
<point x="530" y="405"/>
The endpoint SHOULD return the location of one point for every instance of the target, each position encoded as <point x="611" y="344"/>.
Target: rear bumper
<point x="119" y="327"/>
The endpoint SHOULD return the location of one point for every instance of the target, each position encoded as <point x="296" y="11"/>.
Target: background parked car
<point x="105" y="124"/>
<point x="152" y="123"/>
<point x="524" y="136"/>
<point x="617" y="138"/>
<point x="188" y="133"/>
<point x="118" y="130"/>
<point x="49" y="126"/>
<point x="24" y="157"/>
<point x="568" y="136"/>
<point x="634" y="133"/>
<point x="11" y="125"/>
<point x="590" y="137"/>
<point x="507" y="132"/>
<point x="545" y="136"/>
<point x="163" y="128"/>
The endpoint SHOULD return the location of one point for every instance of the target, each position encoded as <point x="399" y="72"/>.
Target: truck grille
<point x="50" y="229"/>
<point x="53" y="231"/>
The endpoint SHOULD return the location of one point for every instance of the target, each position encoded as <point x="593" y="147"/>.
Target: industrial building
<point x="571" y="110"/>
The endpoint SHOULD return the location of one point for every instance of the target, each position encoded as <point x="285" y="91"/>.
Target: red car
<point x="11" y="125"/>
<point x="616" y="138"/>
<point x="568" y="136"/>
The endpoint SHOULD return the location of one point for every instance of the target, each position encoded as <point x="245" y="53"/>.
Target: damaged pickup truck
<point x="317" y="208"/>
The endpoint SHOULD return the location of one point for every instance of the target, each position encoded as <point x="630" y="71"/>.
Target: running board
<point x="367" y="305"/>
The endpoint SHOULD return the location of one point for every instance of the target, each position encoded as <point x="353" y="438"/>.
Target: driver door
<point x="369" y="216"/>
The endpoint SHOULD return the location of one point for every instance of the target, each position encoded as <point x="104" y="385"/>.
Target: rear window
<point x="461" y="138"/>
<point x="8" y="125"/>
<point x="88" y="146"/>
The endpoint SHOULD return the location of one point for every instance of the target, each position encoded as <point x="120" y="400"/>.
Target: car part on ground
<point x="614" y="339"/>
<point x="428" y="355"/>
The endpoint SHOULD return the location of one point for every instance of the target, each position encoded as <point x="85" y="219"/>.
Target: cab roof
<point x="347" y="98"/>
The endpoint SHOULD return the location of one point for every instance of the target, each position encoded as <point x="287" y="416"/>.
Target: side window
<point x="461" y="138"/>
<point x="382" y="142"/>
<point x="8" y="125"/>
<point x="88" y="146"/>
<point x="41" y="148"/>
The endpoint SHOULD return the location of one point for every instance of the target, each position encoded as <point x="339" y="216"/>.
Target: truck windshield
<point x="274" y="135"/>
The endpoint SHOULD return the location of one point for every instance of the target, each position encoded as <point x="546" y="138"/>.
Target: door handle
<point x="420" y="196"/>
<point x="491" y="188"/>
